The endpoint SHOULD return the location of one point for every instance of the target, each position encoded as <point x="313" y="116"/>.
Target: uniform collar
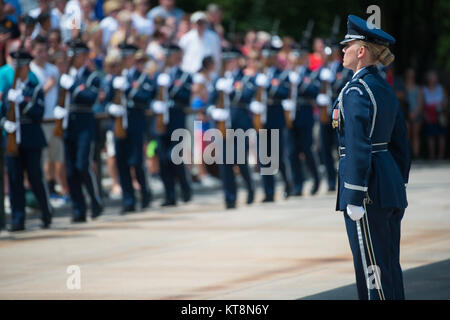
<point x="362" y="72"/>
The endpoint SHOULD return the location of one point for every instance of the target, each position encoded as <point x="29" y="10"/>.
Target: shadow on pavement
<point x="429" y="282"/>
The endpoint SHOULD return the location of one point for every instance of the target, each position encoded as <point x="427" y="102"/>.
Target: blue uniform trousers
<point x="300" y="141"/>
<point x="328" y="139"/>
<point x="227" y="173"/>
<point x="381" y="229"/>
<point x="78" y="149"/>
<point x="129" y="154"/>
<point x="171" y="172"/>
<point x="28" y="160"/>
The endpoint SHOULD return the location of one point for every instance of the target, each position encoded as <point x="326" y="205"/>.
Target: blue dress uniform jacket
<point x="373" y="143"/>
<point x="179" y="98"/>
<point x="31" y="113"/>
<point x="30" y="149"/>
<point x="244" y="89"/>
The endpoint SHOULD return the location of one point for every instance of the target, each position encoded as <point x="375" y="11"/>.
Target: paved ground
<point x="287" y="250"/>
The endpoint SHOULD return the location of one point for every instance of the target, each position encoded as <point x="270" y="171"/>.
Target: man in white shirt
<point x="198" y="44"/>
<point x="141" y="22"/>
<point x="48" y="76"/>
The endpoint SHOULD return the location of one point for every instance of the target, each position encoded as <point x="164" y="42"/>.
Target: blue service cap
<point x="21" y="57"/>
<point x="127" y="49"/>
<point x="77" y="46"/>
<point x="359" y="29"/>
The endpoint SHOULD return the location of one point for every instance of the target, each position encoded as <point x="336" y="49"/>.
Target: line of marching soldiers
<point x="261" y="93"/>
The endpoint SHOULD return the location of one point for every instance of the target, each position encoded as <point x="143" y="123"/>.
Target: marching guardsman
<point x="306" y="86"/>
<point x="374" y="162"/>
<point x="234" y="93"/>
<point x="170" y="105"/>
<point x="82" y="85"/>
<point x="20" y="115"/>
<point x="138" y="90"/>
<point x="328" y="137"/>
<point x="276" y="86"/>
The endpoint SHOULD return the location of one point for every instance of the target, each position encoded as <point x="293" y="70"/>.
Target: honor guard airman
<point x="171" y="104"/>
<point x="374" y="163"/>
<point x="275" y="82"/>
<point x="306" y="87"/>
<point x="82" y="85"/>
<point x="138" y="90"/>
<point x="233" y="95"/>
<point x="21" y="111"/>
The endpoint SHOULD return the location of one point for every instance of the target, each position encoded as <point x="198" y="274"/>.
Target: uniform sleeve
<point x="358" y="146"/>
<point x="87" y="94"/>
<point x="282" y="91"/>
<point x="35" y="108"/>
<point x="145" y="93"/>
<point x="399" y="146"/>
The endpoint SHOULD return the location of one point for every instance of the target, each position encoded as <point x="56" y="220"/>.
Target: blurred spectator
<point x="202" y="88"/>
<point x="141" y="23"/>
<point x="8" y="30"/>
<point x="54" y="41"/>
<point x="44" y="7"/>
<point x="414" y="97"/>
<point x="435" y="104"/>
<point x="13" y="10"/>
<point x="166" y="9"/>
<point x="109" y="24"/>
<point x="198" y="44"/>
<point x="249" y="42"/>
<point x="214" y="16"/>
<point x="316" y="57"/>
<point x="183" y="27"/>
<point x="48" y="76"/>
<point x="125" y="31"/>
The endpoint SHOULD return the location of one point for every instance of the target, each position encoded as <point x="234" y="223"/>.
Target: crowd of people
<point x="124" y="58"/>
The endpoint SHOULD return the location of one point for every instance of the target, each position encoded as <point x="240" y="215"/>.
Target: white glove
<point x="15" y="96"/>
<point x="355" y="212"/>
<point x="326" y="75"/>
<point x="59" y="112"/>
<point x="262" y="80"/>
<point x="9" y="126"/>
<point x="159" y="107"/>
<point x="288" y="105"/>
<point x="120" y="83"/>
<point x="220" y="114"/>
<point x="116" y="110"/>
<point x="293" y="77"/>
<point x="163" y="80"/>
<point x="257" y="107"/>
<point x="66" y="81"/>
<point x="225" y="85"/>
<point x="323" y="100"/>
<point x="199" y="78"/>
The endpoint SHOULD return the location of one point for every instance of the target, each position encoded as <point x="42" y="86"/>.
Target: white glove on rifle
<point x="294" y="77"/>
<point x="120" y="83"/>
<point x="288" y="105"/>
<point x="9" y="126"/>
<point x="15" y="96"/>
<point x="163" y="80"/>
<point x="159" y="107"/>
<point x="326" y="75"/>
<point x="355" y="212"/>
<point x="66" y="81"/>
<point x="220" y="114"/>
<point x="323" y="100"/>
<point x="262" y="80"/>
<point x="257" y="107"/>
<point x="225" y="85"/>
<point x="116" y="110"/>
<point x="59" y="112"/>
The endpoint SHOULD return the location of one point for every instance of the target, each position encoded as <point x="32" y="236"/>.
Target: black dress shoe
<point x="230" y="205"/>
<point x="127" y="209"/>
<point x="250" y="197"/>
<point x="17" y="227"/>
<point x="331" y="189"/>
<point x="297" y="193"/>
<point x="78" y="219"/>
<point x="169" y="203"/>
<point x="287" y="191"/>
<point x="315" y="188"/>
<point x="268" y="199"/>
<point x="146" y="199"/>
<point x="97" y="212"/>
<point x="45" y="225"/>
<point x="187" y="197"/>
